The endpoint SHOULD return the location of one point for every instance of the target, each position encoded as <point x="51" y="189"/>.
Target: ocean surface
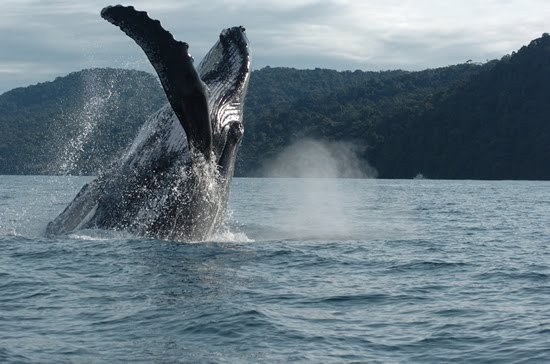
<point x="305" y="270"/>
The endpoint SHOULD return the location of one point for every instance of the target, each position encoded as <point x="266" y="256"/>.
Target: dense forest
<point x="496" y="126"/>
<point x="285" y="105"/>
<point x="474" y="121"/>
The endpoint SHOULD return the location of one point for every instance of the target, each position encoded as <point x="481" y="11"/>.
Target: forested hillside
<point x="497" y="126"/>
<point x="474" y="121"/>
<point x="75" y="124"/>
<point x="285" y="105"/>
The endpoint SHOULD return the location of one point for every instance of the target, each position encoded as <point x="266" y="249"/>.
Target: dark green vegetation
<point x="496" y="126"/>
<point x="285" y="105"/>
<point x="473" y="121"/>
<point x="75" y="124"/>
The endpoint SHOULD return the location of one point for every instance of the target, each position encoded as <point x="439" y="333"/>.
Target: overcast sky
<point x="40" y="40"/>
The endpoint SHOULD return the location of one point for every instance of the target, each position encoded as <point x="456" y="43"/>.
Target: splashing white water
<point x="83" y="120"/>
<point x="228" y="233"/>
<point x="228" y="236"/>
<point x="100" y="235"/>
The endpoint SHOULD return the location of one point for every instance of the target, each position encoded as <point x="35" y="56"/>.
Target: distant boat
<point x="419" y="176"/>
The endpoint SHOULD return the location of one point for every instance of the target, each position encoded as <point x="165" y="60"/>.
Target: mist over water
<point x="309" y="158"/>
<point x="320" y="201"/>
<point x="319" y="211"/>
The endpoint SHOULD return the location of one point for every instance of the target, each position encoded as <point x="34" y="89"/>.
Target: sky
<point x="41" y="40"/>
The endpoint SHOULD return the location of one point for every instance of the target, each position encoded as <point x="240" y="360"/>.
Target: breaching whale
<point x="174" y="180"/>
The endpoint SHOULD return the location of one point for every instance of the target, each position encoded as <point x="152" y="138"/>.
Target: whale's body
<point x="173" y="182"/>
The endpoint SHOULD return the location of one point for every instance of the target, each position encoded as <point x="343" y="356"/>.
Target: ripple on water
<point x="440" y="278"/>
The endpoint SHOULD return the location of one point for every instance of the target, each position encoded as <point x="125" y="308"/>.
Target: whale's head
<point x="225" y="70"/>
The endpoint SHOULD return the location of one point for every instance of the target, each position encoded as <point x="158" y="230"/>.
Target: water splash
<point x="228" y="236"/>
<point x="76" y="128"/>
<point x="228" y="232"/>
<point x="208" y="180"/>
<point x="100" y="235"/>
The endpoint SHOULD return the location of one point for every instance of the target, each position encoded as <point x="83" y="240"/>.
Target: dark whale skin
<point x="174" y="180"/>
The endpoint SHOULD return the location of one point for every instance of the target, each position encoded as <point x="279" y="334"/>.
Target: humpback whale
<point x="174" y="180"/>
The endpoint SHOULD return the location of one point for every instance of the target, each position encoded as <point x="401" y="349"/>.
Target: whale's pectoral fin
<point x="78" y="212"/>
<point x="226" y="163"/>
<point x="185" y="91"/>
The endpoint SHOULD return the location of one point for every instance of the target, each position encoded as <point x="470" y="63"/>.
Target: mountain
<point x="470" y="121"/>
<point x="496" y="126"/>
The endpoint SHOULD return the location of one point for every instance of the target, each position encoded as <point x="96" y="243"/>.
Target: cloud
<point x="61" y="36"/>
<point x="406" y="34"/>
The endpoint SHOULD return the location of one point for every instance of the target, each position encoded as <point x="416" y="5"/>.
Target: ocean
<point x="304" y="270"/>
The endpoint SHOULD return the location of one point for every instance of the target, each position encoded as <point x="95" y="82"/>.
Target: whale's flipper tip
<point x="174" y="65"/>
